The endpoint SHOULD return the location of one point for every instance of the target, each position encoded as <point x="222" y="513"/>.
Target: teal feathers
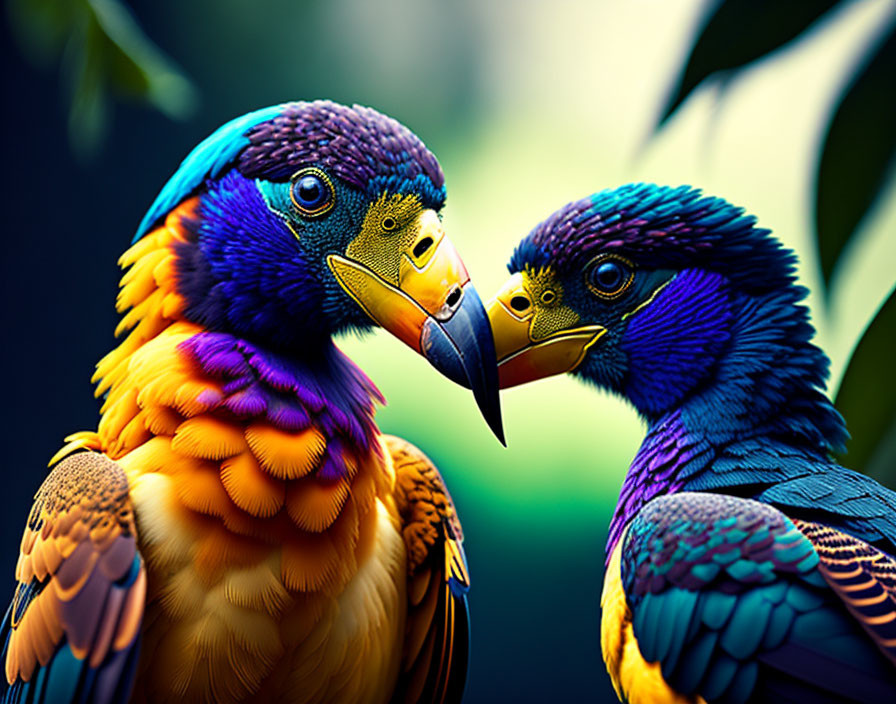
<point x="207" y="160"/>
<point x="741" y="540"/>
<point x="727" y="595"/>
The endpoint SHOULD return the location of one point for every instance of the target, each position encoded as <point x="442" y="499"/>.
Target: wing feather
<point x="862" y="576"/>
<point x="434" y="662"/>
<point x="71" y="631"/>
<point x="737" y="602"/>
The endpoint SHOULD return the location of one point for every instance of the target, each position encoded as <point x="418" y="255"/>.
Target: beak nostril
<point x="421" y="247"/>
<point x="519" y="303"/>
<point x="453" y="297"/>
<point x="449" y="307"/>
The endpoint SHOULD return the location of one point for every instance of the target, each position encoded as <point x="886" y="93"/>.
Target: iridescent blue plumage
<point x="207" y="160"/>
<point x="728" y="596"/>
<point x="662" y="226"/>
<point x="720" y="360"/>
<point x="734" y="526"/>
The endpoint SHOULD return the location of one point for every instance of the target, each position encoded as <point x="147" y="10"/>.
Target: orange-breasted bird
<point x="237" y="528"/>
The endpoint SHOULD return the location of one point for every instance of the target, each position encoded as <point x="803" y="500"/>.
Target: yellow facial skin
<point x="536" y="335"/>
<point x="401" y="268"/>
<point x="406" y="275"/>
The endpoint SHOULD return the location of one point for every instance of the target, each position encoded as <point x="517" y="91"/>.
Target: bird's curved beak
<point x="524" y="356"/>
<point x="433" y="308"/>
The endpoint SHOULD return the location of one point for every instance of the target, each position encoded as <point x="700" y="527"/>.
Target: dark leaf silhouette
<point x="867" y="398"/>
<point x="858" y="150"/>
<point x="103" y="51"/>
<point x="739" y="32"/>
<point x="857" y="156"/>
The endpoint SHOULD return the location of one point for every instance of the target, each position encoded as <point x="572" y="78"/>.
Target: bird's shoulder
<point x="424" y="503"/>
<point x="71" y="631"/>
<point x="803" y="483"/>
<point x="728" y="597"/>
<point x="843" y="498"/>
<point x="434" y="661"/>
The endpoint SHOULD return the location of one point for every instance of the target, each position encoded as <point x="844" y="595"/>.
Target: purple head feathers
<point x="364" y="148"/>
<point x="658" y="227"/>
<point x="359" y="145"/>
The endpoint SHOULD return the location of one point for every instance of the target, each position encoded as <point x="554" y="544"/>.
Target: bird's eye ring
<point x="548" y="296"/>
<point x="608" y="276"/>
<point x="388" y="223"/>
<point x="312" y="192"/>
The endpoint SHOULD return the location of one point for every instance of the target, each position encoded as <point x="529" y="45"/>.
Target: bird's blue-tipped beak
<point x="462" y="348"/>
<point x="429" y="304"/>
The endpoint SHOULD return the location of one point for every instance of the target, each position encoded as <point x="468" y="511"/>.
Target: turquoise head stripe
<point x="208" y="159"/>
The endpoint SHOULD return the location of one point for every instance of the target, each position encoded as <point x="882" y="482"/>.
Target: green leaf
<point x="867" y="398"/>
<point x="739" y="32"/>
<point x="136" y="67"/>
<point x="42" y="27"/>
<point x="858" y="151"/>
<point x="89" y="110"/>
<point x="104" y="52"/>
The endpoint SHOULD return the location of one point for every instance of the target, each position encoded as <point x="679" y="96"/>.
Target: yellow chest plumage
<point x="266" y="583"/>
<point x="269" y="579"/>
<point x="636" y="681"/>
<point x="243" y="635"/>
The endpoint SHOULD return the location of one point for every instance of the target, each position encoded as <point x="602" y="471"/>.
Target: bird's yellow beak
<point x="534" y="338"/>
<point x="408" y="277"/>
<point x="429" y="282"/>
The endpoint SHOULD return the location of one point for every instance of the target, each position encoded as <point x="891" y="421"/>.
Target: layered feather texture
<point x="278" y="536"/>
<point x="252" y="474"/>
<point x="732" y="601"/>
<point x="71" y="632"/>
<point x="744" y="564"/>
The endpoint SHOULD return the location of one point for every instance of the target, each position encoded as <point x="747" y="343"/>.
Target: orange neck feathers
<point x="259" y="458"/>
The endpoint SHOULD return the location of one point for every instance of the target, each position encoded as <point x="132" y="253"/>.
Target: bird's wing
<point x="434" y="661"/>
<point x="732" y="601"/>
<point x="862" y="576"/>
<point x="71" y="631"/>
<point x="838" y="497"/>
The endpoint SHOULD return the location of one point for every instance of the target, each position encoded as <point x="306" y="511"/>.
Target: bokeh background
<point x="528" y="104"/>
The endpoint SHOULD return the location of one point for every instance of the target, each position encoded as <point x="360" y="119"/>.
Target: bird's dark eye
<point x="609" y="276"/>
<point x="311" y="192"/>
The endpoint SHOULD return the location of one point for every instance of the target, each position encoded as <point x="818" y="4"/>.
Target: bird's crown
<point x="661" y="227"/>
<point x="359" y="145"/>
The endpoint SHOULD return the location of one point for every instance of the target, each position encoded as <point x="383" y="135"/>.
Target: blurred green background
<point x="528" y="105"/>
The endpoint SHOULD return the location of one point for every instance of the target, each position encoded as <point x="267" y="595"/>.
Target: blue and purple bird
<point x="743" y="563"/>
<point x="237" y="528"/>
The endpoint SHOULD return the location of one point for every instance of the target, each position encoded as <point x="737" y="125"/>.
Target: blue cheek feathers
<point x="673" y="343"/>
<point x="248" y="275"/>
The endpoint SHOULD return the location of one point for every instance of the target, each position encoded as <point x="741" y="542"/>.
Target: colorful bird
<point x="744" y="564"/>
<point x="237" y="528"/>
